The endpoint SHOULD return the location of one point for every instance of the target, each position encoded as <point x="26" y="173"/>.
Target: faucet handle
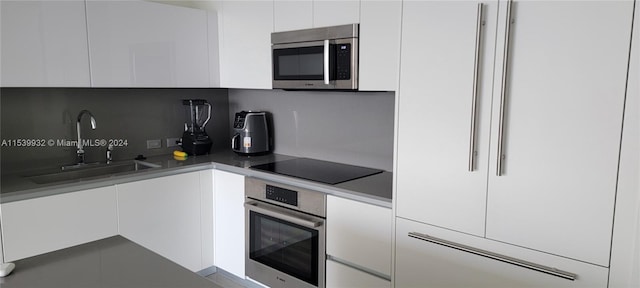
<point x="109" y="153"/>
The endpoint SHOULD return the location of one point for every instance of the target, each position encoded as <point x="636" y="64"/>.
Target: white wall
<point x="625" y="253"/>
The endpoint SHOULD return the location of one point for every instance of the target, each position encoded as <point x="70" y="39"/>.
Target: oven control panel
<point x="282" y="195"/>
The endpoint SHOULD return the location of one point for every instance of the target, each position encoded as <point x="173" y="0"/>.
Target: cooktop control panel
<point x="282" y="195"/>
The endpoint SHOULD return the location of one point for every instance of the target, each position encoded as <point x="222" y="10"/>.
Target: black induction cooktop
<point x="317" y="170"/>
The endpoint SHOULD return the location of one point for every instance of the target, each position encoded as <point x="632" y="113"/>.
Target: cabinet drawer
<point x="362" y="237"/>
<point x="340" y="275"/>
<point x="420" y="263"/>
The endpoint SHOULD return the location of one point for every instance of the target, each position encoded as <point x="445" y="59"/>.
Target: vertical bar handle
<point x="474" y="95"/>
<point x="503" y="96"/>
<point x="326" y="62"/>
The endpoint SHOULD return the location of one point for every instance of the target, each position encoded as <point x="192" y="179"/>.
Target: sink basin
<point x="70" y="173"/>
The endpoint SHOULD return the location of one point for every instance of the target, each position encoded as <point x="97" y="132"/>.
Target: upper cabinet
<point x="533" y="160"/>
<point x="379" y="44"/>
<point x="292" y="15"/>
<point x="145" y="44"/>
<point x="245" y="44"/>
<point x="44" y="44"/>
<point x="335" y="12"/>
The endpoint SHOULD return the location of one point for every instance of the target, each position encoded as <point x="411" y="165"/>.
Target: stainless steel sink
<point x="77" y="172"/>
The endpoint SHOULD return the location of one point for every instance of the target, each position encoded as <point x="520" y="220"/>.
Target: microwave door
<point x="303" y="65"/>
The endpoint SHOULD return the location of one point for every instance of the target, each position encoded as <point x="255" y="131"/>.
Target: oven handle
<point x="255" y="206"/>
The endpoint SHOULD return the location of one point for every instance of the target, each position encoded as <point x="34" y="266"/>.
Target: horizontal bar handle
<point x="258" y="207"/>
<point x="496" y="256"/>
<point x="359" y="267"/>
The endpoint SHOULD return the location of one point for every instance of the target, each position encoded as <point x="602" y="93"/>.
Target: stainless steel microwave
<point x="318" y="58"/>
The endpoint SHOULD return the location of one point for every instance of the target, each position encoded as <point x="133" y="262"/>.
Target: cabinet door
<point x="362" y="238"/>
<point x="44" y="44"/>
<point x="245" y="56"/>
<point x="379" y="44"/>
<point x="37" y="226"/>
<point x="206" y="216"/>
<point x="340" y="276"/>
<point x="163" y="215"/>
<point x="292" y="15"/>
<point x="229" y="222"/>
<point x="145" y="44"/>
<point x="436" y="109"/>
<point x="335" y="12"/>
<point x="425" y="264"/>
<point x="562" y="126"/>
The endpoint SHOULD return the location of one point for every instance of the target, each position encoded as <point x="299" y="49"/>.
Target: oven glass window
<point x="284" y="246"/>
<point x="305" y="63"/>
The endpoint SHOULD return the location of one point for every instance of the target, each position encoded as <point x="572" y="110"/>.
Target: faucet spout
<point x="80" y="145"/>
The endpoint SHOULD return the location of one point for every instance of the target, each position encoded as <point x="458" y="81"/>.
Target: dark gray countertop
<point x="110" y="262"/>
<point x="375" y="189"/>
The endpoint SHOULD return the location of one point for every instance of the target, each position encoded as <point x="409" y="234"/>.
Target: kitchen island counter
<point x="110" y="262"/>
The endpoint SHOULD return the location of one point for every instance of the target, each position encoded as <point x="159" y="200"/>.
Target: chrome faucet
<point x="80" y="146"/>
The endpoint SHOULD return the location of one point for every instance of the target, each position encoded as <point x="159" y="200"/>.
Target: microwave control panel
<point x="343" y="62"/>
<point x="282" y="195"/>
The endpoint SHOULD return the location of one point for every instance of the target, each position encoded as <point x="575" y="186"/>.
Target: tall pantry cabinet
<point x="509" y="122"/>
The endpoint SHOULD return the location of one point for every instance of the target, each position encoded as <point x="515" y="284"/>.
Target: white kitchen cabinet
<point x="362" y="238"/>
<point x="207" y="217"/>
<point x="164" y="215"/>
<point x="292" y="15"/>
<point x="229" y="222"/>
<point x="562" y="125"/>
<point x="335" y="12"/>
<point x="44" y="44"/>
<point x="559" y="131"/>
<point x="379" y="44"/>
<point x="36" y="226"/>
<point x="146" y="44"/>
<point x="340" y="276"/>
<point x="439" y="54"/>
<point x="245" y="44"/>
<point x="421" y="263"/>
<point x="214" y="49"/>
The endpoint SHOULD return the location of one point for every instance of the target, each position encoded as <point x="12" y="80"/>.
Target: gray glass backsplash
<point x="135" y="115"/>
<point x="347" y="127"/>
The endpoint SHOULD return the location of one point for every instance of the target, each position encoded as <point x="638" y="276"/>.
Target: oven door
<point x="284" y="248"/>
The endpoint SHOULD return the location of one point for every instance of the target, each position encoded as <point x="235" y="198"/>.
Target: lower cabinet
<point x="164" y="215"/>
<point x="45" y="224"/>
<point x="229" y="222"/>
<point x="423" y="263"/>
<point x="340" y="275"/>
<point x="359" y="240"/>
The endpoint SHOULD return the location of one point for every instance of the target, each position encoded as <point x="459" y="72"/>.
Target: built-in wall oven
<point x="285" y="235"/>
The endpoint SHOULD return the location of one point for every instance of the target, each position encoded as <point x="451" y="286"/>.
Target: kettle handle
<point x="233" y="141"/>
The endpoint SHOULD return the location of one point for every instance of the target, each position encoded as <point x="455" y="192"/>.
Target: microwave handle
<point x="326" y="62"/>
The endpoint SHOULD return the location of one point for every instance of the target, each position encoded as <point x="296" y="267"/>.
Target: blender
<point x="195" y="140"/>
